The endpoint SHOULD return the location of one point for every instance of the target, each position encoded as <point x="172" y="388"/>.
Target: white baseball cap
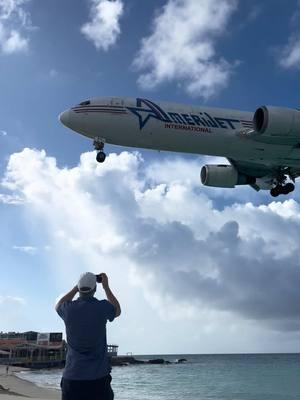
<point x="87" y="282"/>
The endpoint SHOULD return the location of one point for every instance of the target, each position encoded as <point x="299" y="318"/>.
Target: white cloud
<point x="176" y="256"/>
<point x="14" y="22"/>
<point x="4" y="299"/>
<point x="12" y="300"/>
<point x="182" y="47"/>
<point x="26" y="249"/>
<point x="13" y="42"/>
<point x="104" y="28"/>
<point x="10" y="199"/>
<point x="3" y="133"/>
<point x="170" y="232"/>
<point x="290" y="54"/>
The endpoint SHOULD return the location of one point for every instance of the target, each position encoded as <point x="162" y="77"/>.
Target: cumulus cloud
<point x="104" y="28"/>
<point x="242" y="259"/>
<point x="182" y="47"/>
<point x="14" y="22"/>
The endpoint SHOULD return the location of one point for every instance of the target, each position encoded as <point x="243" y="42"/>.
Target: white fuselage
<point x="173" y="127"/>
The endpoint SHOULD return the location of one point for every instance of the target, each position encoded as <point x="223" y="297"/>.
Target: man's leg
<point x="110" y="391"/>
<point x="66" y="392"/>
<point x="99" y="389"/>
<point x="73" y="390"/>
<point x="103" y="389"/>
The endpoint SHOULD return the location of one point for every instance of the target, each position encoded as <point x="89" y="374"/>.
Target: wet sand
<point x="15" y="388"/>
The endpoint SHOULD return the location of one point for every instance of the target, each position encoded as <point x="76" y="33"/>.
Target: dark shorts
<point x="98" y="389"/>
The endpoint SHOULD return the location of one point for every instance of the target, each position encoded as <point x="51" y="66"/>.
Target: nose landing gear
<point x="101" y="156"/>
<point x="99" y="146"/>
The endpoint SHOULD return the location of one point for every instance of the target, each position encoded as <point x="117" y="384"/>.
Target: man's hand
<point x="104" y="280"/>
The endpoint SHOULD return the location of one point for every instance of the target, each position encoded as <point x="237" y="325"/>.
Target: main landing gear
<point x="281" y="187"/>
<point x="99" y="146"/>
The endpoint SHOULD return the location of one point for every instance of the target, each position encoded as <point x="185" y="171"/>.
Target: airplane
<point x="263" y="148"/>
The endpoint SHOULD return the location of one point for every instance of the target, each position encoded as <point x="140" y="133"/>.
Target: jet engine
<point x="225" y="176"/>
<point x="277" y="121"/>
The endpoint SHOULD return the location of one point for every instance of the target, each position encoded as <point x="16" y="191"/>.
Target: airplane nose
<point x="73" y="120"/>
<point x="64" y="118"/>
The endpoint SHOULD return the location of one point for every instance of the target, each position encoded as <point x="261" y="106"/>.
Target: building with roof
<point x="36" y="350"/>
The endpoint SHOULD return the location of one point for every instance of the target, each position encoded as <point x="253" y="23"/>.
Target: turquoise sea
<point x="202" y="377"/>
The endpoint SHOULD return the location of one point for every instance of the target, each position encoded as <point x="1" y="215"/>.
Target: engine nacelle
<point x="277" y="121"/>
<point x="225" y="176"/>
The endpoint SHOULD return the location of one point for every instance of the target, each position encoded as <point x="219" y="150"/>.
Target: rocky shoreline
<point x="122" y="361"/>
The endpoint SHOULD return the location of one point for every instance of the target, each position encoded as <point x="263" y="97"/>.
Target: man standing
<point x="87" y="371"/>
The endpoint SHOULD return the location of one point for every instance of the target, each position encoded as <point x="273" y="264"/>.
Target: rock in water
<point x="156" y="361"/>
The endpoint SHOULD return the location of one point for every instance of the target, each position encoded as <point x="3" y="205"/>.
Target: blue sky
<point x="193" y="267"/>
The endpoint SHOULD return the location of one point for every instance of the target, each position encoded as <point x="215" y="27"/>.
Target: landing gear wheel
<point x="275" y="192"/>
<point x="101" y="156"/>
<point x="288" y="188"/>
<point x="285" y="190"/>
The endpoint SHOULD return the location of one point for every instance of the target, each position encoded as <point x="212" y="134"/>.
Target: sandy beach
<point x="13" y="388"/>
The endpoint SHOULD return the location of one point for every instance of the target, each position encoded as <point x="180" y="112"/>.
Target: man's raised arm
<point x="109" y="294"/>
<point x="67" y="297"/>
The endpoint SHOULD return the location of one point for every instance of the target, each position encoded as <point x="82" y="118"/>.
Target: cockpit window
<point x="85" y="103"/>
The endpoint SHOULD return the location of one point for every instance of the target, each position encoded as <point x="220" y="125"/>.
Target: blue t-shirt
<point x="85" y="320"/>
